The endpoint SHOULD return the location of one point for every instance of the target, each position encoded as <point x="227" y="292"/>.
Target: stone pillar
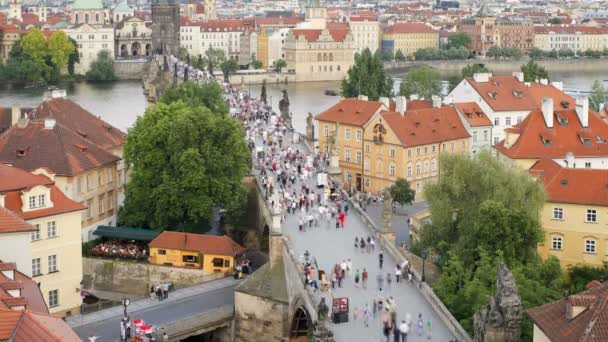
<point x="387" y="230"/>
<point x="275" y="250"/>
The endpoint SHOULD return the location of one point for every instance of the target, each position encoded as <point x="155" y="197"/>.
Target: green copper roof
<point x="87" y="4"/>
<point x="123" y="7"/>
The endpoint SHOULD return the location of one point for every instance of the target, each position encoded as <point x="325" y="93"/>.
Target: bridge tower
<point x="165" y="26"/>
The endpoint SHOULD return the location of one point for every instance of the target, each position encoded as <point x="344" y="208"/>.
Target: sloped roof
<point x="206" y="244"/>
<point x="553" y="320"/>
<point x="12" y="223"/>
<point x="71" y="115"/>
<point x="30" y="294"/>
<point x="13" y="178"/>
<point x="426" y="126"/>
<point x="27" y="326"/>
<point x="474" y="115"/>
<point x="59" y="149"/>
<point x="312" y="35"/>
<point x="504" y="93"/>
<point x="350" y="111"/>
<point x="267" y="282"/>
<point x="539" y="91"/>
<point x="123" y="6"/>
<point x="409" y="28"/>
<point x="564" y="138"/>
<point x="570" y="185"/>
<point x="61" y="205"/>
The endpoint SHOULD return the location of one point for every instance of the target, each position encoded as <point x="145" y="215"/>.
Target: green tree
<point x="555" y="21"/>
<point x="534" y="71"/>
<point x="34" y="45"/>
<point x="216" y="57"/>
<point x="60" y="48"/>
<point x="495" y="52"/>
<point x="367" y="77"/>
<point x="472" y="69"/>
<point x="102" y="69"/>
<point x="210" y="95"/>
<point x="458" y="40"/>
<point x="187" y="160"/>
<point x="182" y="53"/>
<point x="402" y="192"/>
<point x="279" y="65"/>
<point x="388" y="55"/>
<point x="536" y="53"/>
<point x="255" y="63"/>
<point x="74" y="57"/>
<point x="399" y="56"/>
<point x="598" y="95"/>
<point x="228" y="67"/>
<point x="423" y="81"/>
<point x="581" y="275"/>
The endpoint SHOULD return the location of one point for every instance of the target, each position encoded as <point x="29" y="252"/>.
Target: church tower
<point x="210" y="6"/>
<point x="14" y="11"/>
<point x="165" y="26"/>
<point x="316" y="15"/>
<point x="42" y="11"/>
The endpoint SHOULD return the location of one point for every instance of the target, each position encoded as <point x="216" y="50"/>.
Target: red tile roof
<point x="564" y="138"/>
<point x="570" y="29"/>
<point x="591" y="324"/>
<point x="10" y="222"/>
<point x="414" y="105"/>
<point x="30" y="296"/>
<point x="61" y="205"/>
<point x="13" y="178"/>
<point x="206" y="244"/>
<point x="273" y="21"/>
<point x="59" y="149"/>
<point x="312" y="35"/>
<point x="79" y="120"/>
<point x="504" y="93"/>
<point x="426" y="126"/>
<point x="228" y="25"/>
<point x="538" y="91"/>
<point x="409" y="28"/>
<point x="29" y="19"/>
<point x="569" y="185"/>
<point x="27" y="326"/>
<point x="474" y="115"/>
<point x="6" y="116"/>
<point x="350" y="111"/>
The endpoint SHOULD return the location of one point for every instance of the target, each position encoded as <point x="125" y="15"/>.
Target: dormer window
<point x="586" y="141"/>
<point x="496" y="83"/>
<point x="547" y="141"/>
<point x="42" y="201"/>
<point x="21" y="153"/>
<point x="565" y="104"/>
<point x="562" y="120"/>
<point x="492" y="95"/>
<point x="518" y="94"/>
<point x="469" y="115"/>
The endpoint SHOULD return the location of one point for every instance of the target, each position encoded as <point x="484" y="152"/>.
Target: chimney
<point x="23" y="122"/>
<point x="519" y="75"/>
<point x="401" y="105"/>
<point x="385" y="101"/>
<point x="49" y="123"/>
<point x="53" y="93"/>
<point x="544" y="81"/>
<point x="436" y="101"/>
<point x="569" y="160"/>
<point x="448" y="100"/>
<point x="547" y="109"/>
<point x="15" y="114"/>
<point x="482" y="77"/>
<point x="602" y="106"/>
<point x="582" y="110"/>
<point x="558" y="85"/>
<point x="362" y="97"/>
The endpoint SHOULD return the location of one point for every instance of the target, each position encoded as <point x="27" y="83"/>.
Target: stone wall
<point x="131" y="69"/>
<point x="136" y="278"/>
<point x="270" y="78"/>
<point x="259" y="319"/>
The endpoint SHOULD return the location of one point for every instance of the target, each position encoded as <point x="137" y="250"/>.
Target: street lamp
<point x="424" y="255"/>
<point x="125" y="303"/>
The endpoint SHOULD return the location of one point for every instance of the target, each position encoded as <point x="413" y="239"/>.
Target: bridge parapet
<point x="211" y="320"/>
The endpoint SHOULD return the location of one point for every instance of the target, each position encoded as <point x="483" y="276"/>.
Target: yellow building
<point x="207" y="252"/>
<point x="55" y="246"/>
<point x="262" y="55"/>
<point x="409" y="38"/>
<point x="574" y="216"/>
<point x="380" y="142"/>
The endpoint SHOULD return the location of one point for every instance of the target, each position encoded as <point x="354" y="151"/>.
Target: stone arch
<point x="300" y="323"/>
<point x="123" y="50"/>
<point x="319" y="57"/>
<point x="135" y="49"/>
<point x="331" y="57"/>
<point x="148" y="49"/>
<point x="325" y="57"/>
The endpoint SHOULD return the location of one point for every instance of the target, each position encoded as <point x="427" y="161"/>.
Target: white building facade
<point x="91" y="40"/>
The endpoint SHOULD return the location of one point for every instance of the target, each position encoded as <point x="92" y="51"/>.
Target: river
<point x="119" y="103"/>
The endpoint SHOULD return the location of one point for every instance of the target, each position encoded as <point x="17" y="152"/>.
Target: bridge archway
<point x="300" y="324"/>
<point x="135" y="49"/>
<point x="123" y="50"/>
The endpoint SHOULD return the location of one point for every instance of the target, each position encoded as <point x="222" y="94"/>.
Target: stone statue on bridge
<point x="186" y="70"/>
<point x="310" y="128"/>
<point x="165" y="64"/>
<point x="500" y="319"/>
<point x="263" y="93"/>
<point x="387" y="212"/>
<point x="284" y="107"/>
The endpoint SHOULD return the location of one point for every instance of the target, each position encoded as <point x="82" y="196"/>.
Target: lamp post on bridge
<point x="125" y="304"/>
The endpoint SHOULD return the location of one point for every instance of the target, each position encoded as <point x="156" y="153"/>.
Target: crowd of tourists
<point x="122" y="249"/>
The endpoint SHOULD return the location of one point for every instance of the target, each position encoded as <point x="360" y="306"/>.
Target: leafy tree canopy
<point x="458" y="40"/>
<point x="228" y="67"/>
<point x="598" y="95"/>
<point x="102" y="69"/>
<point x="402" y="192"/>
<point x="367" y="77"/>
<point x="255" y="63"/>
<point x="534" y="71"/>
<point x="472" y="69"/>
<point x="423" y="81"/>
<point x="215" y="56"/>
<point x="279" y="64"/>
<point x="399" y="56"/>
<point x="74" y="56"/>
<point x="186" y="161"/>
<point x="210" y="95"/>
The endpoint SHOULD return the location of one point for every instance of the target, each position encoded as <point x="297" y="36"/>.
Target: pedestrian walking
<point x="404" y="329"/>
<point x="152" y="292"/>
<point x="356" y="243"/>
<point x="333" y="279"/>
<point x="397" y="273"/>
<point x="374" y="308"/>
<point x="301" y="224"/>
<point x="428" y="329"/>
<point x="364" y="276"/>
<point x="342" y="219"/>
<point x="380" y="280"/>
<point x="389" y="281"/>
<point x="349" y="265"/>
<point x="165" y="290"/>
<point x="380" y="259"/>
<point x="362" y="244"/>
<point x="419" y="325"/>
<point x="366" y="315"/>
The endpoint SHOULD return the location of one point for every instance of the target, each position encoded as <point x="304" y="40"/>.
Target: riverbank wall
<point x="130" y="69"/>
<point x="246" y="79"/>
<point x="503" y="66"/>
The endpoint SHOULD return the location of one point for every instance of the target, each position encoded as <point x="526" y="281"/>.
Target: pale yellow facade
<point x="575" y="233"/>
<point x="409" y="43"/>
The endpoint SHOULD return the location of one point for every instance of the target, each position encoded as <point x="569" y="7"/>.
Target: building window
<point x="99" y="178"/>
<point x="53" y="298"/>
<point x="218" y="262"/>
<point x="347" y="133"/>
<point x="359" y="135"/>
<point x="190" y="258"/>
<point x="326" y="130"/>
<point x="418" y="168"/>
<point x="426" y="166"/>
<point x="417" y="187"/>
<point x="591" y="215"/>
<point x="110" y="200"/>
<point x="495" y="140"/>
<point x="409" y="152"/>
<point x="347" y="154"/>
<point x="426" y="149"/>
<point x="358" y="157"/>
<point x="391" y="169"/>
<point x="556" y="243"/>
<point x="51" y="229"/>
<point x="162" y="252"/>
<point x="452" y="146"/>
<point x="36" y="267"/>
<point x="366" y="164"/>
<point x="590" y="246"/>
<point x="587" y="165"/>
<point x="496" y="121"/>
<point x="42" y="201"/>
<point x="367" y="148"/>
<point x="100" y="204"/>
<point x="32" y="202"/>
<point x="485" y="135"/>
<point x="89" y="182"/>
<point x="89" y="208"/>
<point x="110" y="176"/>
<point x="36" y="233"/>
<point x="558" y="213"/>
<point x="409" y="169"/>
<point x="475" y="136"/>
<point x="52" y="263"/>
<point x="508" y="121"/>
<point x="392" y="152"/>
<point x="417" y="151"/>
<point x="79" y="185"/>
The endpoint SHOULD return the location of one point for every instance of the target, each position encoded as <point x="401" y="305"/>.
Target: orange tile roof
<point x="409" y="28"/>
<point x="504" y="93"/>
<point x="474" y="115"/>
<point x="538" y="91"/>
<point x="13" y="178"/>
<point x="31" y="291"/>
<point x="312" y="35"/>
<point x="61" y="205"/>
<point x="220" y="25"/>
<point x="27" y="326"/>
<point x="350" y="111"/>
<point x="554" y="322"/>
<point x="565" y="138"/>
<point x="79" y="120"/>
<point x="10" y="222"/>
<point x="426" y="126"/>
<point x="59" y="149"/>
<point x="414" y="105"/>
<point x="570" y="185"/>
<point x="30" y="296"/>
<point x="206" y="244"/>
